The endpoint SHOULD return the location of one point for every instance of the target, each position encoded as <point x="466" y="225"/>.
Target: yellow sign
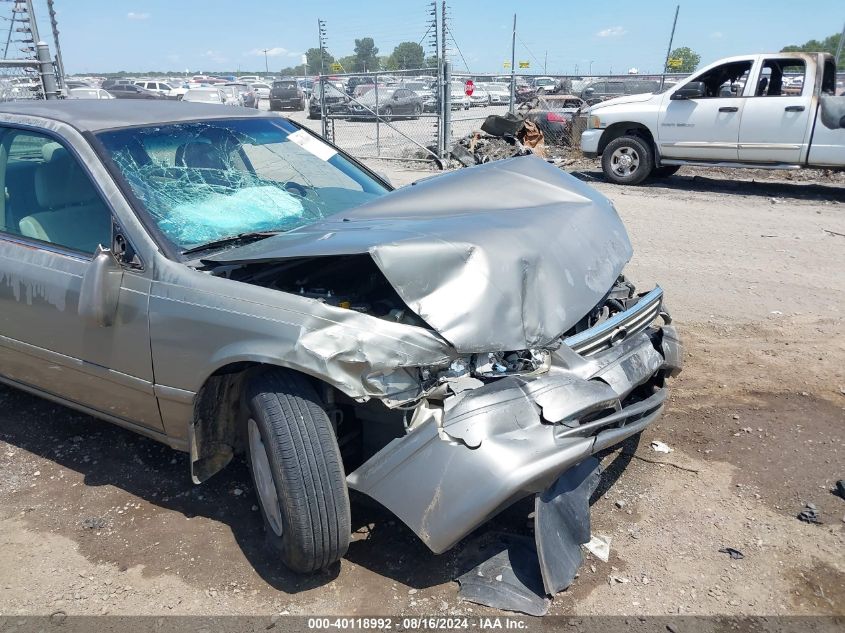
<point x="675" y="62"/>
<point x="507" y="64"/>
<point x="524" y="65"/>
<point x="336" y="68"/>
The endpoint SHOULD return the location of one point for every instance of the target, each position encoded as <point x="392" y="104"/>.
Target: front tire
<point x="627" y="160"/>
<point x="297" y="471"/>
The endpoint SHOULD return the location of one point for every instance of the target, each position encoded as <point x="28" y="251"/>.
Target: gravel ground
<point x="94" y="519"/>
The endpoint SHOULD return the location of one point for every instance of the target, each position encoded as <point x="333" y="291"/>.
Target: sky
<point x="605" y="35"/>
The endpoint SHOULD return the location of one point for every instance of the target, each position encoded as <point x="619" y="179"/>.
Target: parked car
<point x="554" y="115"/>
<point x="75" y="83"/>
<point x="498" y="94"/>
<point x="392" y="103"/>
<point x="273" y="308"/>
<point x="458" y="96"/>
<point x="108" y="84"/>
<point x="205" y="95"/>
<point x="285" y="93"/>
<point x="248" y="98"/>
<point x="603" y="89"/>
<point x="337" y="101"/>
<point x="161" y="87"/>
<point x="262" y="90"/>
<point x="353" y="82"/>
<point x="479" y="97"/>
<point x="131" y="91"/>
<point x="88" y="93"/>
<point x="544" y="84"/>
<point x="249" y="79"/>
<point x="732" y="113"/>
<point x="231" y="95"/>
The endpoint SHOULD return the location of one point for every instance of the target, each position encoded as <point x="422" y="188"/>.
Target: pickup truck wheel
<point x="627" y="160"/>
<point x="297" y="471"/>
<point x="665" y="171"/>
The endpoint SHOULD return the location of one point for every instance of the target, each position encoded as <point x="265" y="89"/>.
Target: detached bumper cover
<point x="590" y="142"/>
<point x="488" y="447"/>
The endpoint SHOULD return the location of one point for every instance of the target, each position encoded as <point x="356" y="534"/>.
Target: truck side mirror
<point x="100" y="290"/>
<point x="692" y="90"/>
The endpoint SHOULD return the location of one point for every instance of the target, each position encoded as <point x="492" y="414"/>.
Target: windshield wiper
<point x="244" y="238"/>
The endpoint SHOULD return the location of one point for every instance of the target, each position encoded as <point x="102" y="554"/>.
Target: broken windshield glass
<point x="205" y="181"/>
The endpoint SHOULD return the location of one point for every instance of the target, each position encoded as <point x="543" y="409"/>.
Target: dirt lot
<point x="96" y="520"/>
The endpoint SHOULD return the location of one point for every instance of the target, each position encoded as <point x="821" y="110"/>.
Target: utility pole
<point x="321" y="31"/>
<point x="511" y="101"/>
<point x="545" y="62"/>
<point x="266" y="64"/>
<point x="59" y="61"/>
<point x="669" y="50"/>
<point x="839" y="48"/>
<point x="446" y="81"/>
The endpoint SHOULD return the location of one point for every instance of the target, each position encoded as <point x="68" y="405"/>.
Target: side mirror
<point x="100" y="290"/>
<point x="692" y="90"/>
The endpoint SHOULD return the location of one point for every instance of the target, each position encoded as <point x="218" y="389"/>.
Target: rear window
<point x="285" y="85"/>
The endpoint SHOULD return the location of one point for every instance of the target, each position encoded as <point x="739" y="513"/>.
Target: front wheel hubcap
<point x="264" y="483"/>
<point x="625" y="161"/>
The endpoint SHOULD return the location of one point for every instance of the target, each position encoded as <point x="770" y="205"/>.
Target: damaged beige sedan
<point x="223" y="280"/>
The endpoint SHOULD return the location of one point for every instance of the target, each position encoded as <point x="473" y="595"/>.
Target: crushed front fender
<point x="513" y="437"/>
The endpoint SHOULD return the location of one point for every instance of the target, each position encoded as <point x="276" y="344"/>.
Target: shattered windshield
<point x="206" y="181"/>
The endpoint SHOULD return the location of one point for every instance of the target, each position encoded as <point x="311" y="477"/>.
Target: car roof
<point x="106" y="114"/>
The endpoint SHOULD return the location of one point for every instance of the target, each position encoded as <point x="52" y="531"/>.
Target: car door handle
<point x="729" y="109"/>
<point x="794" y="108"/>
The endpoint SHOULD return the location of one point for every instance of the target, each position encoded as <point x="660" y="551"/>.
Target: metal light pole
<point x="669" y="50"/>
<point x="266" y="63"/>
<point x="512" y="100"/>
<point x="591" y="68"/>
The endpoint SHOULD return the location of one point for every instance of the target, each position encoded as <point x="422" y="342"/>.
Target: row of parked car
<point x="199" y="89"/>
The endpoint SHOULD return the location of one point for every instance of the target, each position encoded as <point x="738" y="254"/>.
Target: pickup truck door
<point x="705" y="128"/>
<point x="51" y="221"/>
<point x="775" y="124"/>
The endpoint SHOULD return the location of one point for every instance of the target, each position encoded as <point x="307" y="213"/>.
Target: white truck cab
<point x="776" y="111"/>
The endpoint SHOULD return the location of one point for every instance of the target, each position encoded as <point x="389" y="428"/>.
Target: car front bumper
<point x="590" y="142"/>
<point x="488" y="446"/>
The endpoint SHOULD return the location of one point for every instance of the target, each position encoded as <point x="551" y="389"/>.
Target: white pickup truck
<point x="776" y="111"/>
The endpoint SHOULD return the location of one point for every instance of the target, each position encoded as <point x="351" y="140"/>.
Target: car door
<point x="707" y="127"/>
<point x="51" y="222"/>
<point x="775" y="126"/>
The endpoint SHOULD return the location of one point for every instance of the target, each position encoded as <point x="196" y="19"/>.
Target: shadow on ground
<point x="118" y="467"/>
<point x="745" y="187"/>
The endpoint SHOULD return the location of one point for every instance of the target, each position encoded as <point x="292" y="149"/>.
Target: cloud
<point x="138" y="16"/>
<point x="717" y="35"/>
<point x="214" y="56"/>
<point x="294" y="54"/>
<point x="271" y="52"/>
<point x="613" y="31"/>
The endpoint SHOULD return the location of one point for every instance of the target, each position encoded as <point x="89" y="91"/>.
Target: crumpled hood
<point x="637" y="98"/>
<point x="503" y="256"/>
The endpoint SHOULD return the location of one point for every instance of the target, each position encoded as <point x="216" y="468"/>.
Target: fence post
<point x="447" y="107"/>
<point x="48" y="75"/>
<point x="323" y="121"/>
<point x="378" y="117"/>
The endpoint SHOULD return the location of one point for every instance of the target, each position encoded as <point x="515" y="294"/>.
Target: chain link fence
<point x="415" y="115"/>
<point x="385" y="115"/>
<point x="20" y="81"/>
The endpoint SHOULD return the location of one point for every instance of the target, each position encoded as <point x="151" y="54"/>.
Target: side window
<point x="829" y="78"/>
<point x="781" y="77"/>
<point x="726" y="80"/>
<point x="49" y="196"/>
